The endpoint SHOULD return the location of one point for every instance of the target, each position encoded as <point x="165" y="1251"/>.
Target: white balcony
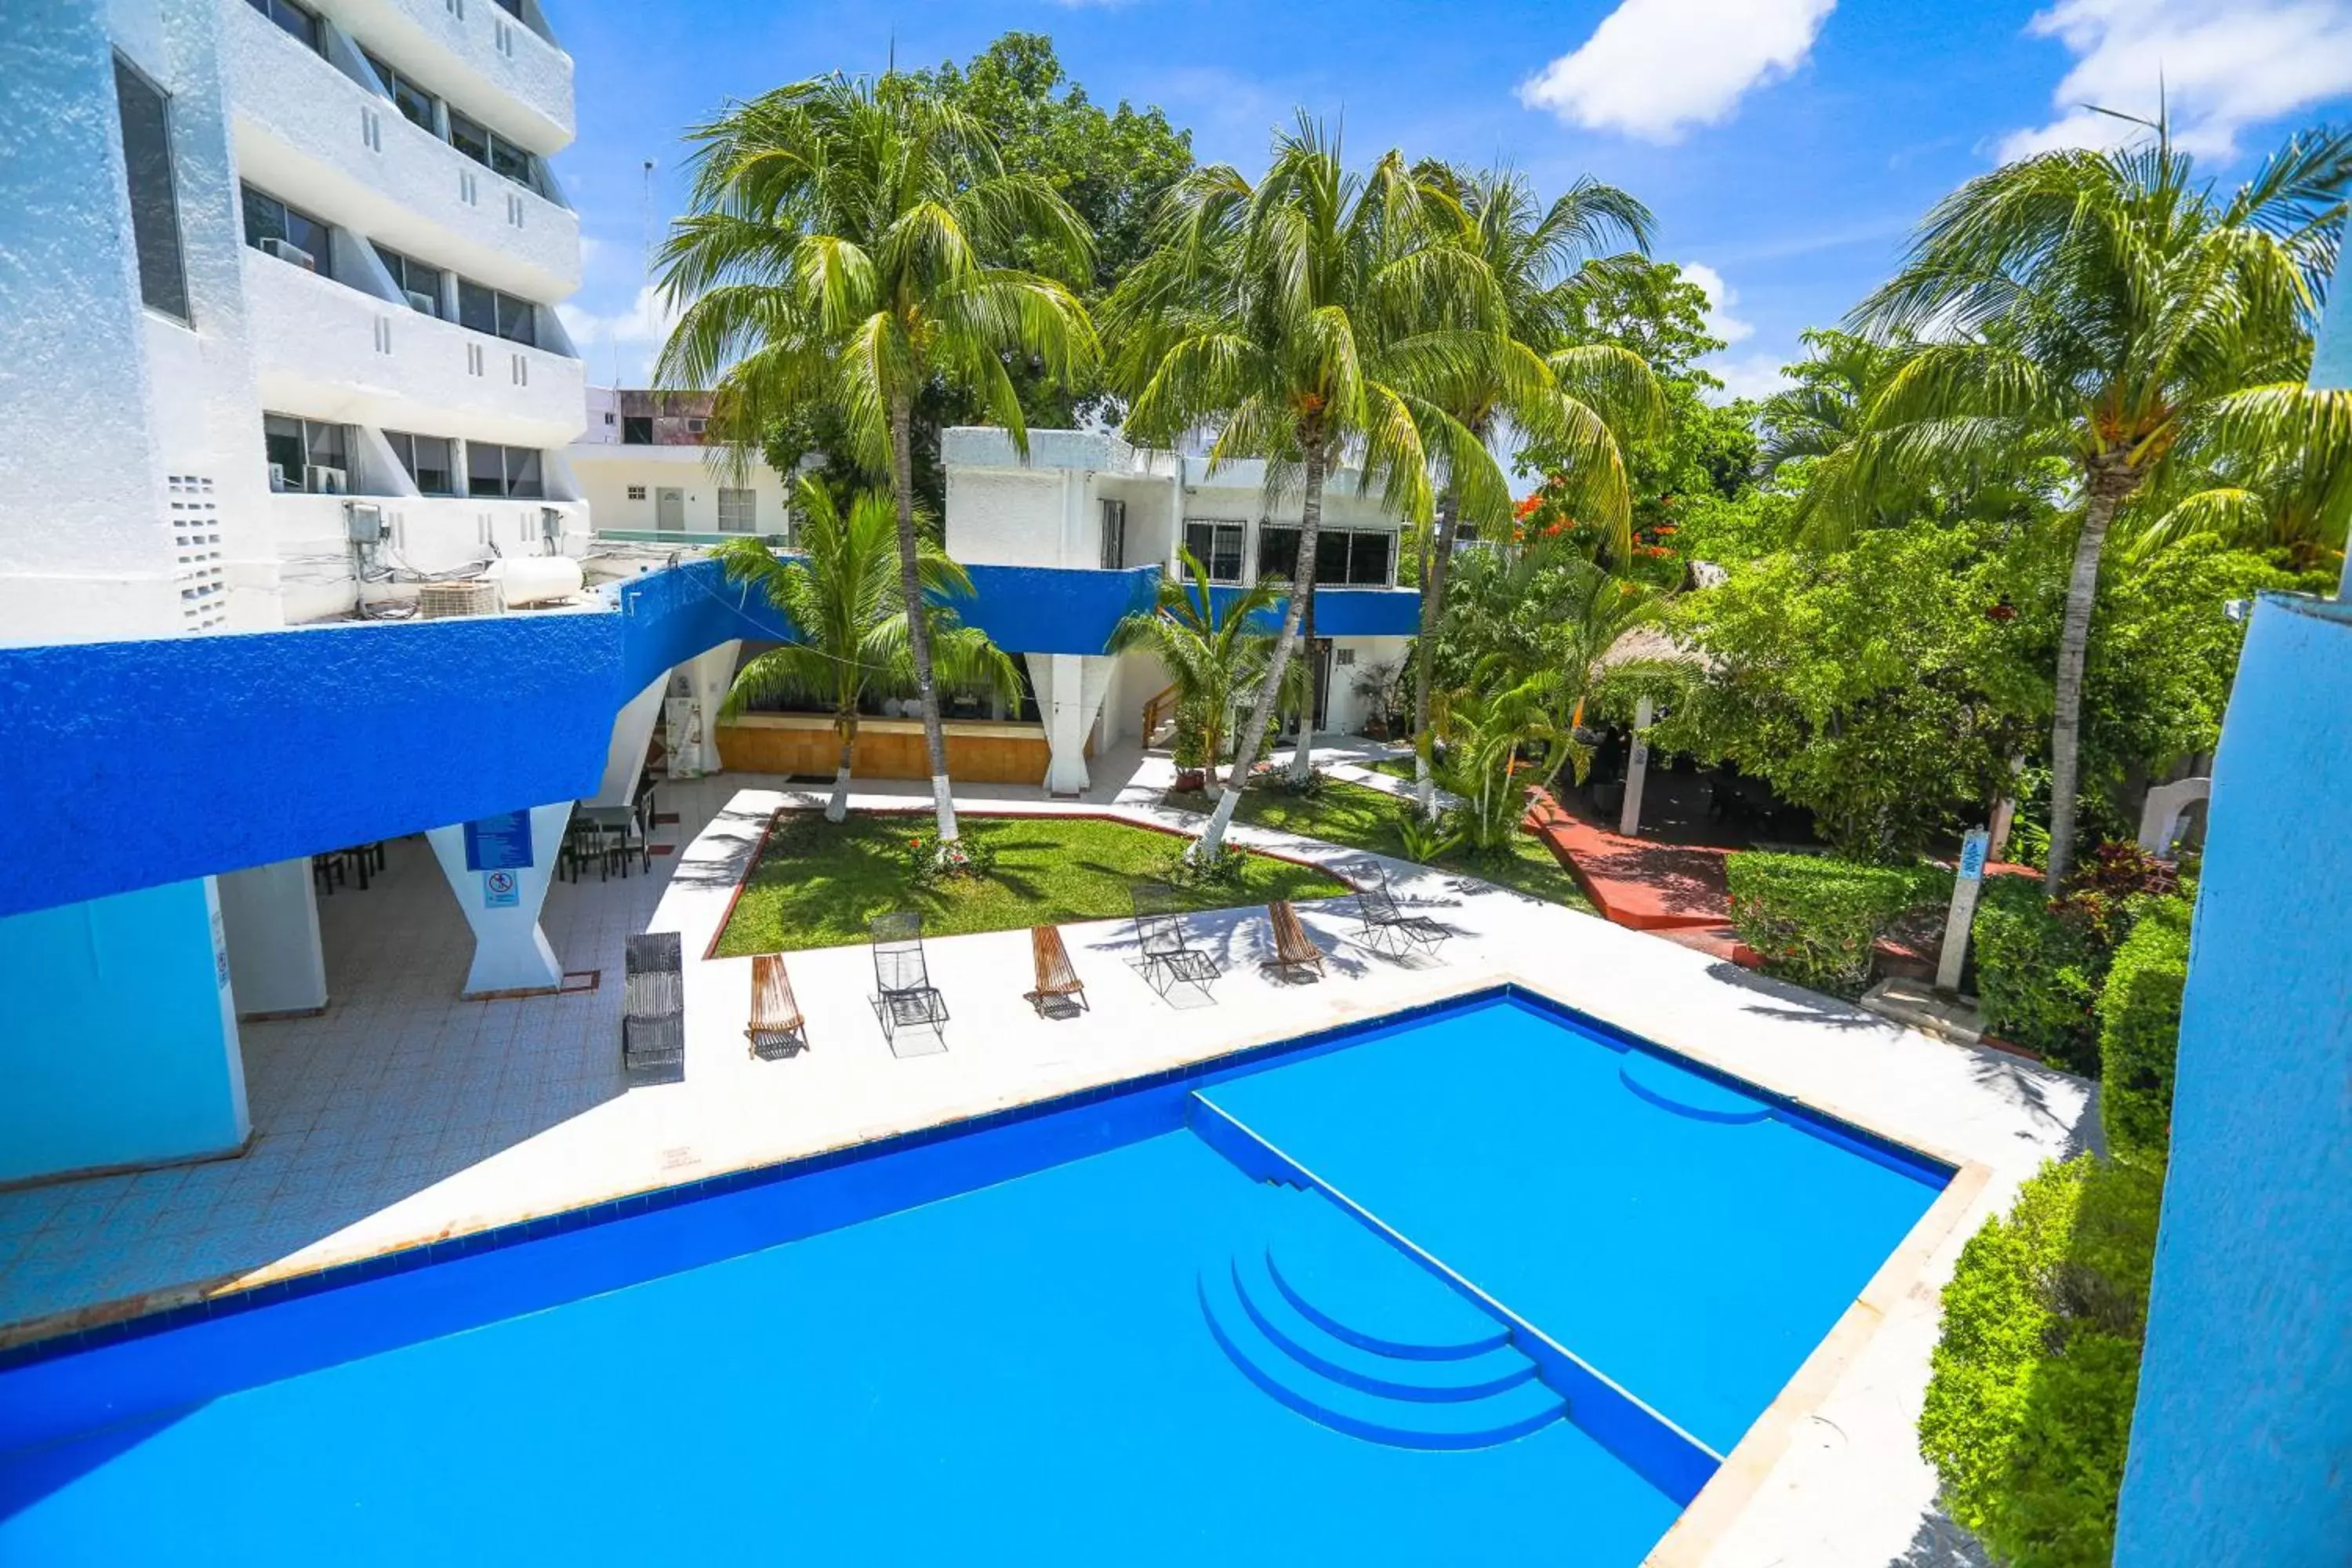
<point x="325" y="350"/>
<point x="476" y="55"/>
<point x="311" y="135"/>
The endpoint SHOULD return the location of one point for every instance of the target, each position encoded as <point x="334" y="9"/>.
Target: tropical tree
<point x="2101" y="306"/>
<point x="845" y="600"/>
<point x="1214" y="656"/>
<point x="1308" y="316"/>
<point x="839" y="252"/>
<point x="1545" y="263"/>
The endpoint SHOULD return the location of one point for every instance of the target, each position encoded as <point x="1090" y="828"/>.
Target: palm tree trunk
<point x="919" y="624"/>
<point x="1310" y="523"/>
<point x="837" y="807"/>
<point x="1433" y="602"/>
<point x="2108" y="486"/>
<point x="1302" y="756"/>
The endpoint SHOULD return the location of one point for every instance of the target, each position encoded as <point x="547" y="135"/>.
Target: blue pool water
<point x="1084" y="1335"/>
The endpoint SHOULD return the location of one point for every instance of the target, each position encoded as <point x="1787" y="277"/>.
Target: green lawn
<point x="1366" y="819"/>
<point x="818" y="882"/>
<point x="1395" y="767"/>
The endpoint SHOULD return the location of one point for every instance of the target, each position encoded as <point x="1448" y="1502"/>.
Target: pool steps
<point x="1466" y="1388"/>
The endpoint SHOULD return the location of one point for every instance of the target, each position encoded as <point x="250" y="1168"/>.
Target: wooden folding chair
<point x="1057" y="979"/>
<point x="1292" y="948"/>
<point x="776" y="1030"/>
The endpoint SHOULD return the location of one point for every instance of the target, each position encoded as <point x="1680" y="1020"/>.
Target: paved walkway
<point x="404" y="1114"/>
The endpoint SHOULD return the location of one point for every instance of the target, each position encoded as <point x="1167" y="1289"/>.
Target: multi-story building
<point x="649" y="475"/>
<point x="288" y="272"/>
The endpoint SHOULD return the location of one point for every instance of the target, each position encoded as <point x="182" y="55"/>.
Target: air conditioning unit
<point x="276" y="477"/>
<point x="322" y="480"/>
<point x="446" y="601"/>
<point x="419" y="300"/>
<point x="286" y="250"/>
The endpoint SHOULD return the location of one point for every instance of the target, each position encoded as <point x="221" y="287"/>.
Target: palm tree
<point x="1213" y="656"/>
<point x="844" y="597"/>
<point x="2103" y="308"/>
<point x="1542" y="260"/>
<point x="1307" y="316"/>
<point x="838" y="256"/>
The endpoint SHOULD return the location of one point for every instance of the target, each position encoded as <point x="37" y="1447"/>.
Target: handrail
<point x="1157" y="708"/>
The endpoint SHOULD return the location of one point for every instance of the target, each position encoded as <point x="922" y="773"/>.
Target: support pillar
<point x="501" y="902"/>
<point x="633" y="732"/>
<point x="1070" y="691"/>
<point x="707" y="678"/>
<point x="1637" y="768"/>
<point x="276" y="962"/>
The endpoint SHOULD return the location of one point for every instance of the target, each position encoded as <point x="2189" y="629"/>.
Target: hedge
<point x="2139" y="1030"/>
<point x="1813" y="919"/>
<point x="2038" y="974"/>
<point x="2029" y="1408"/>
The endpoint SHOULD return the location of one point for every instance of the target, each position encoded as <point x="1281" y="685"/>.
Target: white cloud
<point x="1655" y="68"/>
<point x="2216" y="70"/>
<point x="647" y="321"/>
<point x="1720" y="321"/>
<point x="1745" y="375"/>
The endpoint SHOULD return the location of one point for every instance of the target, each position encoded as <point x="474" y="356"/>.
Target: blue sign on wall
<point x="498" y="843"/>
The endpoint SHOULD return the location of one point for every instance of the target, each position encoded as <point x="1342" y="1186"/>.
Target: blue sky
<point x="1787" y="146"/>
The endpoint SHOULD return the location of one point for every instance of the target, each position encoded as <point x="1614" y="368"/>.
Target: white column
<point x="708" y="677"/>
<point x="633" y="732"/>
<point x="270" y="915"/>
<point x="1070" y="690"/>
<point x="511" y="952"/>
<point x="1637" y="768"/>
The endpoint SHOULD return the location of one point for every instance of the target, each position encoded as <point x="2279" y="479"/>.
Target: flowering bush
<point x="1546" y="516"/>
<point x="931" y="860"/>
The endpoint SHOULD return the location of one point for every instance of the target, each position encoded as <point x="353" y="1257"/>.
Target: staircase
<point x="1329" y="1318"/>
<point x="1159" y="713"/>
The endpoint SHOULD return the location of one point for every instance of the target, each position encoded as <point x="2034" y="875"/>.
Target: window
<point x="428" y="459"/>
<point x="413" y="101"/>
<point x="1113" y="535"/>
<point x="286" y="233"/>
<point x="738" y="510"/>
<point x="421" y="283"/>
<point x="1277" y="551"/>
<point x="637" y="430"/>
<point x="636" y="492"/>
<point x="154" y="207"/>
<point x="300" y="21"/>
<point x="501" y="315"/>
<point x="1367" y="559"/>
<point x="306" y="455"/>
<point x="1219" y="547"/>
<point x="1343" y="557"/>
<point x="492" y="470"/>
<point x="492" y="151"/>
<point x="697" y="426"/>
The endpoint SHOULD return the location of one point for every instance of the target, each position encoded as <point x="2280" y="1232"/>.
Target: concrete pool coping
<point x="1779" y="1496"/>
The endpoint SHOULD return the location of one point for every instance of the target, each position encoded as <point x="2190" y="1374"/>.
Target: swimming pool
<point x="1484" y="1281"/>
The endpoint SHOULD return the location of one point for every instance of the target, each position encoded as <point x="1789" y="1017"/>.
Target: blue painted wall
<point x="118" y="1045"/>
<point x="1347" y="612"/>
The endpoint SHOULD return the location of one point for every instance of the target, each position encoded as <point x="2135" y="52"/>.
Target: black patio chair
<point x="1385" y="923"/>
<point x="653" y="1007"/>
<point x="902" y="979"/>
<point x="1165" y="946"/>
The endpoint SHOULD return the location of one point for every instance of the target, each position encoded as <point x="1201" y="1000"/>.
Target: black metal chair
<point x="1163" y="944"/>
<point x="902" y="977"/>
<point x="653" y="1015"/>
<point x="1386" y="924"/>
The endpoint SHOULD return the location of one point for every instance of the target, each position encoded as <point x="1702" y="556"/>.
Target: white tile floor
<point x="404" y="1114"/>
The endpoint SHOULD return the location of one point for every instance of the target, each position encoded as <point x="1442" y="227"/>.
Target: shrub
<point x="930" y="861"/>
<point x="2029" y="1408"/>
<point x="2039" y="969"/>
<point x="1813" y="920"/>
<point x="2139" y="1030"/>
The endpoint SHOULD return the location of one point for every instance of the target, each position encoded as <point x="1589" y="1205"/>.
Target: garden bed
<point x="817" y="883"/>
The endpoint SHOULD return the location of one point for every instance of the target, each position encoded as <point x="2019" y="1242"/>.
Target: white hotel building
<point x="284" y="272"/>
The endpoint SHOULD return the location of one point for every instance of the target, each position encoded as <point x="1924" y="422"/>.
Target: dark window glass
<point x="510" y="159"/>
<point x="511" y="7"/>
<point x="492" y="151"/>
<point x="1330" y="556"/>
<point x="267" y="219"/>
<point x="637" y="430"/>
<point x="522" y="473"/>
<point x="421" y="283"/>
<point x="302" y="24"/>
<point x="426" y="459"/>
<point x="486" y="469"/>
<point x="1367" y="559"/>
<point x="1113" y="535"/>
<point x="306" y="454"/>
<point x="1277" y="551"/>
<point x="414" y="102"/>
<point x="515" y="319"/>
<point x="477" y="306"/>
<point x="470" y="138"/>
<point x="1219" y="547"/>
<point x="155" y="208"/>
<point x="281" y="440"/>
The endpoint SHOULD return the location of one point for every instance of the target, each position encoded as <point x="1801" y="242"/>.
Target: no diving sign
<point x="500" y="889"/>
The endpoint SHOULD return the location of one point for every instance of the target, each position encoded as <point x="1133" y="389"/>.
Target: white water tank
<point x="535" y="579"/>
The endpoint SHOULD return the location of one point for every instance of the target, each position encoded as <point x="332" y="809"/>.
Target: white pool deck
<point x="404" y="1114"/>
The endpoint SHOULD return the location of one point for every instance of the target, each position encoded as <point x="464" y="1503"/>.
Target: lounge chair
<point x="1386" y="925"/>
<point x="1292" y="948"/>
<point x="653" y="1010"/>
<point x="1161" y="939"/>
<point x="1056" y="981"/>
<point x="902" y="978"/>
<point x="776" y="1029"/>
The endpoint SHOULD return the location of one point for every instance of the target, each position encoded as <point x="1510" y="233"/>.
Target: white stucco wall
<point x="606" y="471"/>
<point x="488" y="64"/>
<point x="1011" y="518"/>
<point x="1345" y="711"/>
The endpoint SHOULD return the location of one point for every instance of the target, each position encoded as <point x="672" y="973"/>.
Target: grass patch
<point x="1364" y="818"/>
<point x="818" y="883"/>
<point x="1395" y="767"/>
